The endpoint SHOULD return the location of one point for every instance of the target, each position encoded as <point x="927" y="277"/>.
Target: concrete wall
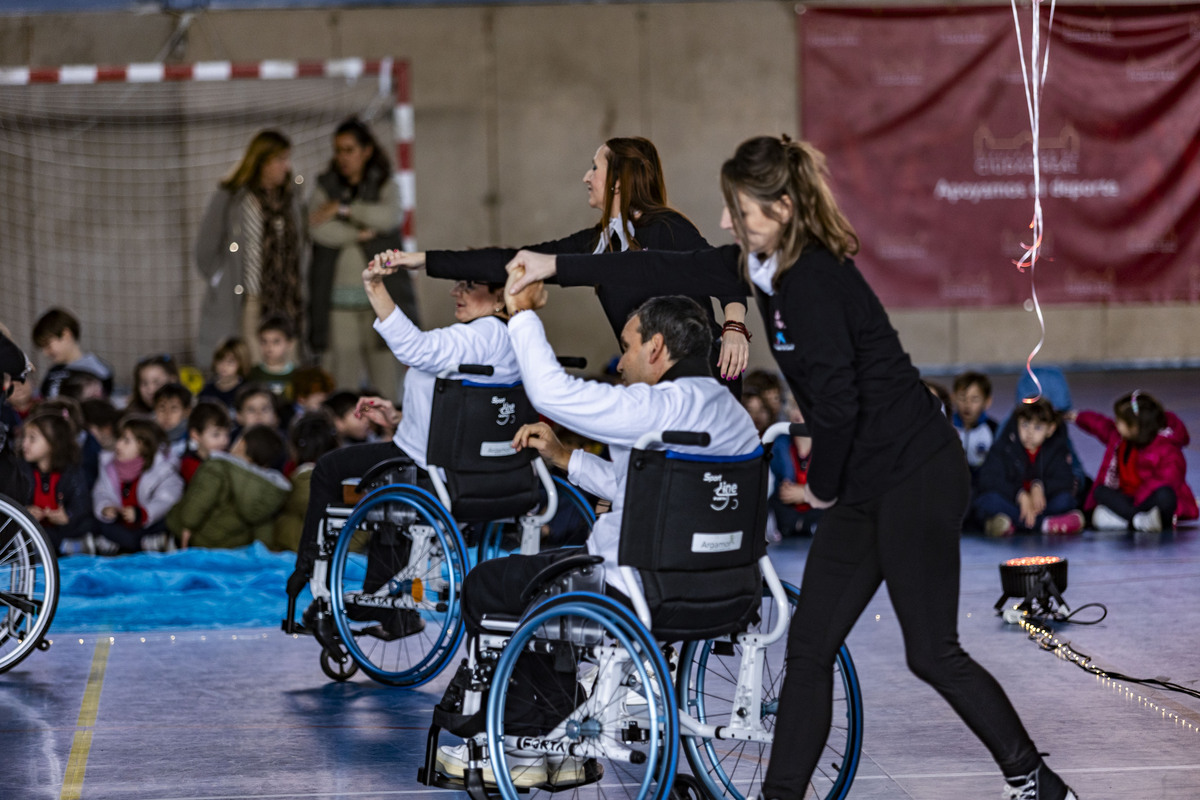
<point x="511" y="102"/>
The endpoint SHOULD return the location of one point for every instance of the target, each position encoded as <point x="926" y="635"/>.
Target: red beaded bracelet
<point x="740" y="327"/>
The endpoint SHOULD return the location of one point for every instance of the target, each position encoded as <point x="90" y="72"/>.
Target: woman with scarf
<point x="250" y="247"/>
<point x="625" y="184"/>
<point x="354" y="213"/>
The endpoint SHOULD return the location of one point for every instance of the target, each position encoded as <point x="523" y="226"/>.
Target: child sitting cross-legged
<point x="234" y="497"/>
<point x="1026" y="482"/>
<point x="60" y="498"/>
<point x="1142" y="483"/>
<point x="137" y="486"/>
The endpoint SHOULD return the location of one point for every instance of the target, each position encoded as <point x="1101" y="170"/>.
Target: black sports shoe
<point x="397" y="625"/>
<point x="1041" y="784"/>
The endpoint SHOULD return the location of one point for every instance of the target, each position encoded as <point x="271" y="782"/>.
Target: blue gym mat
<point x="193" y="588"/>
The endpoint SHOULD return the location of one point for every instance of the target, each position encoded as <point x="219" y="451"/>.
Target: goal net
<point x="105" y="174"/>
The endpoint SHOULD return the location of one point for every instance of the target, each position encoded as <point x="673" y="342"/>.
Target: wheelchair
<point x="28" y="584"/>
<point x="624" y="697"/>
<point x="389" y="568"/>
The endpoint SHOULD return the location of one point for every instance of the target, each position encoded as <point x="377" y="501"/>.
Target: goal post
<point x="105" y="172"/>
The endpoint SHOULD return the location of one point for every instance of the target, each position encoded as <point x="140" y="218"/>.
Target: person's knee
<point x="934" y="665"/>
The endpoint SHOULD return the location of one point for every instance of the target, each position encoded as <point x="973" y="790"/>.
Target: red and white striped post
<point x="395" y="71"/>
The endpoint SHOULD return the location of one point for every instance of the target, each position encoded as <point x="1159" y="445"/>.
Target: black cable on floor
<point x="1046" y="639"/>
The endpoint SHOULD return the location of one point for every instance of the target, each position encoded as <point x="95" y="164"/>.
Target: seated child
<point x="769" y="386"/>
<point x="352" y="427"/>
<point x="789" y="468"/>
<point x="208" y="427"/>
<point x="758" y="409"/>
<point x="61" y="498"/>
<point x="976" y="430"/>
<point x="89" y="446"/>
<point x="230" y="365"/>
<point x="149" y="374"/>
<point x="233" y="497"/>
<point x="277" y="344"/>
<point x="1142" y="482"/>
<point x="56" y="333"/>
<point x="312" y="436"/>
<point x="1026" y="481"/>
<point x="311" y="387"/>
<point x="100" y="418"/>
<point x="138" y="485"/>
<point x="254" y="404"/>
<point x="172" y="404"/>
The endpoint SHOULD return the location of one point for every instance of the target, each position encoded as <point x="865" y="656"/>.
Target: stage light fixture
<point x="1039" y="582"/>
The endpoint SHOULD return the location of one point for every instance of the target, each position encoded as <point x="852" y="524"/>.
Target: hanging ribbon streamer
<point x="1034" y="76"/>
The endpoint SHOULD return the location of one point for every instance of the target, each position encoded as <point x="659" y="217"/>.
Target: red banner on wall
<point x="922" y="115"/>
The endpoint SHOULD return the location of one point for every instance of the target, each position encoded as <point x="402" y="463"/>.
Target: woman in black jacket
<point x="886" y="462"/>
<point x="625" y="184"/>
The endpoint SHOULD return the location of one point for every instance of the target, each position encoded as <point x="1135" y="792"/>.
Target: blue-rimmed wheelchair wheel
<point x="626" y="740"/>
<point x="28" y="583"/>
<point x="396" y="603"/>
<point x="708" y="673"/>
<point x="569" y="527"/>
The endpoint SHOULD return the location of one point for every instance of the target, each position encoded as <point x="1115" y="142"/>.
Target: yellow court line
<point x="81" y="746"/>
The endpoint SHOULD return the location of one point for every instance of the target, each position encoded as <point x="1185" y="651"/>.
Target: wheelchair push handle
<point x="476" y="369"/>
<point x="788" y="428"/>
<point x="573" y="362"/>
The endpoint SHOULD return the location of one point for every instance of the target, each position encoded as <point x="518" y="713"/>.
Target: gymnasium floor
<point x="248" y="714"/>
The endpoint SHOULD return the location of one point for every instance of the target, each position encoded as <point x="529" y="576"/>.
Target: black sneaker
<point x="1041" y="784"/>
<point x="399" y="624"/>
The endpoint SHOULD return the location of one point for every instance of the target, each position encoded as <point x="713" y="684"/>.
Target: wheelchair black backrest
<point x="471" y="429"/>
<point x="695" y="527"/>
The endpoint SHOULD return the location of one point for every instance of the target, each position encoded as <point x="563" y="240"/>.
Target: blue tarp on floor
<point x="193" y="588"/>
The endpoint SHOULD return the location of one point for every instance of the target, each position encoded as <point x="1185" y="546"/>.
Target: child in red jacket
<point x="1142" y="479"/>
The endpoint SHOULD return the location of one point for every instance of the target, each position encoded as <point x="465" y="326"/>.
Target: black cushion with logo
<point x="470" y="436"/>
<point x="695" y="530"/>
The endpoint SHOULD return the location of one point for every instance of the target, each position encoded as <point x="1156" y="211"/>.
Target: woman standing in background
<point x="250" y="247"/>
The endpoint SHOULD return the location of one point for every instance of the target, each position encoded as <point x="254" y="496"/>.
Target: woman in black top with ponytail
<point x="885" y="461"/>
<point x="625" y="184"/>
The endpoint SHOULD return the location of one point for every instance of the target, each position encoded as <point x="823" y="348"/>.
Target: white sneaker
<point x="1148" y="521"/>
<point x="1105" y="519"/>
<point x="103" y="546"/>
<point x="563" y="770"/>
<point x="526" y="771"/>
<point x="158" y="543"/>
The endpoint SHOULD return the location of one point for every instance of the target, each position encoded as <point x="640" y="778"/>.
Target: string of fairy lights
<point x="1120" y="683"/>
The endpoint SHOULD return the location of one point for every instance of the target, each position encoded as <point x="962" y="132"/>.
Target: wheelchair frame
<point x="657" y="714"/>
<point x="29" y="584"/>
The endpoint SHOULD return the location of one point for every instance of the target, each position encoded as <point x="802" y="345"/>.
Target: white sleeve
<point x="443" y="348"/>
<point x="612" y="414"/>
<point x="593" y="474"/>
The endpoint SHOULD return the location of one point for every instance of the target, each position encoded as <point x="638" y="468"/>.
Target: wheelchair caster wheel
<point x="337" y="670"/>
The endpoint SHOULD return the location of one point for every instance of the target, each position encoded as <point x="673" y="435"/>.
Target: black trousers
<point x="333" y="468"/>
<point x="1115" y="500"/>
<point x="908" y="538"/>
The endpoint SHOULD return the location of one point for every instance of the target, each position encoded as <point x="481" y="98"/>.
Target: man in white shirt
<point x="668" y="385"/>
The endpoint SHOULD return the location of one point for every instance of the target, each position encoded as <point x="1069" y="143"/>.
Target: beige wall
<point x="511" y="101"/>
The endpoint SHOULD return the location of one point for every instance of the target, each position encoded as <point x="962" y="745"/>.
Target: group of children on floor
<point x="168" y="468"/>
<point x="172" y="470"/>
<point x="1025" y="473"/>
<point x="1026" y="476"/>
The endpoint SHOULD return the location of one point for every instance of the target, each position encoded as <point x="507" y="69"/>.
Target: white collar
<point x="624" y="235"/>
<point x="762" y="271"/>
